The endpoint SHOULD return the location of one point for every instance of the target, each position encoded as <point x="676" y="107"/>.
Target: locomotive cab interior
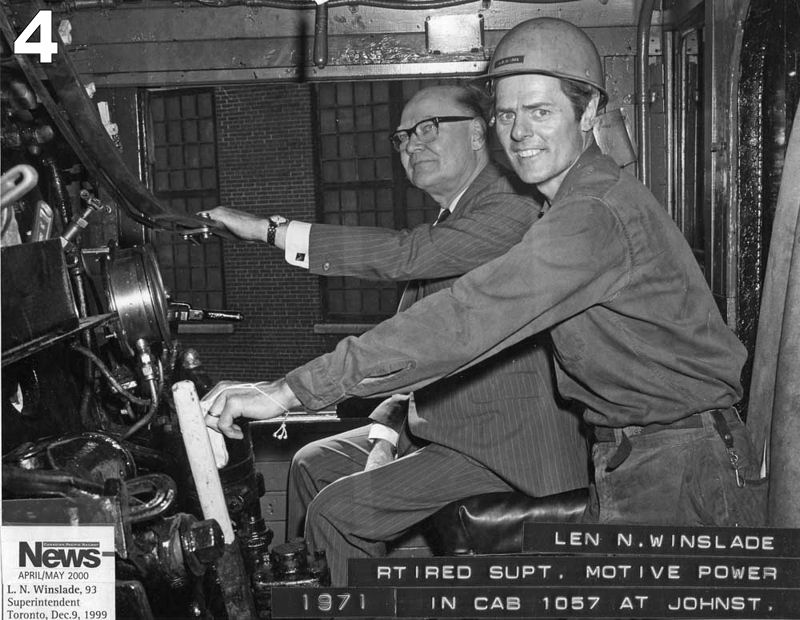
<point x="141" y="113"/>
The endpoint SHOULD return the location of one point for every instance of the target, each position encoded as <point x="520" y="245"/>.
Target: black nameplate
<point x="563" y="538"/>
<point x="534" y="602"/>
<point x="307" y="602"/>
<point x="532" y="570"/>
<point x="548" y="602"/>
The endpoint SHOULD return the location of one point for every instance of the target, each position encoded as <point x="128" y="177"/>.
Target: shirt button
<point x="326" y="266"/>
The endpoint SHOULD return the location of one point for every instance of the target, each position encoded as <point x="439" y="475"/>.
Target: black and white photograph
<point x="384" y="309"/>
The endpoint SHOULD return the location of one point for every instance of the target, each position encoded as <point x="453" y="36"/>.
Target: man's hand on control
<point x="382" y="452"/>
<point x="244" y="225"/>
<point x="229" y="400"/>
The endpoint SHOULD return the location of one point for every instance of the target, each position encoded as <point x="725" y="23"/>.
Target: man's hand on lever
<point x="229" y="400"/>
<point x="246" y="226"/>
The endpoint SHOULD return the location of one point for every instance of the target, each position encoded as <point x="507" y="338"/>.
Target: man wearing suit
<point x="496" y="427"/>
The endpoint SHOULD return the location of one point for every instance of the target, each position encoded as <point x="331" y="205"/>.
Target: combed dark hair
<point x="579" y="95"/>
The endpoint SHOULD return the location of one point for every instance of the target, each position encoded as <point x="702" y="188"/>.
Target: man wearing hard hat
<point x="638" y="338"/>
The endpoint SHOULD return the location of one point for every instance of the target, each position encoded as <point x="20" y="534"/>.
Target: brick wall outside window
<point x="265" y="151"/>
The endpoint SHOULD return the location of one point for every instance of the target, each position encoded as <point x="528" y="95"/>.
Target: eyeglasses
<point x="426" y="130"/>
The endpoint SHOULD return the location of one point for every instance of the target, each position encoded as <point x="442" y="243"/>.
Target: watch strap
<point x="274" y="222"/>
<point x="273" y="228"/>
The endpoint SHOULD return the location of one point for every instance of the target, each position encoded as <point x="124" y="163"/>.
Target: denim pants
<point x="678" y="477"/>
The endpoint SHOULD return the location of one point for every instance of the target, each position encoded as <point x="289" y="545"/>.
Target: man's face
<point x="444" y="166"/>
<point x="536" y="125"/>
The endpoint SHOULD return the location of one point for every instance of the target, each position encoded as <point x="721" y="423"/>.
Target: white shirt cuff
<point x="298" y="235"/>
<point x="381" y="431"/>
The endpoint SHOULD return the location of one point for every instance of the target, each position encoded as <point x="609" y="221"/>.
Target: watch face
<point x="278" y="220"/>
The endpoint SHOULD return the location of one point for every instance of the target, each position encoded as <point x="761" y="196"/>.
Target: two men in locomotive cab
<point x="508" y="401"/>
<point x="637" y="337"/>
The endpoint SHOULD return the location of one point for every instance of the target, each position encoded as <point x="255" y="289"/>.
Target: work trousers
<point x="355" y="516"/>
<point x="678" y="477"/>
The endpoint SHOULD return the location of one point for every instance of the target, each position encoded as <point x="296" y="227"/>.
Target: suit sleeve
<point x="391" y="412"/>
<point x="564" y="264"/>
<point x="485" y="230"/>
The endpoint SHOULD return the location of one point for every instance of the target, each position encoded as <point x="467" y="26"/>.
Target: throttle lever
<point x="183" y="312"/>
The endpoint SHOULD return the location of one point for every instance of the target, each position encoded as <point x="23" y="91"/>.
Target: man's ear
<point x="590" y="113"/>
<point x="478" y="128"/>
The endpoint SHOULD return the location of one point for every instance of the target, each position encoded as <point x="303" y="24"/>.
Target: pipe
<point x="74" y="5"/>
<point x="667" y="42"/>
<point x="321" y="34"/>
<point x="17" y="480"/>
<point x="62" y="198"/>
<point x="385" y="4"/>
<point x="107" y="374"/>
<point x="643" y="87"/>
<point x="148" y="372"/>
<point x="77" y="273"/>
<point x="162" y="492"/>
<point x="680" y="163"/>
<point x="147" y="417"/>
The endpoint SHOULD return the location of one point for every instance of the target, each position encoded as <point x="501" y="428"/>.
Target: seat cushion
<point x="493" y="522"/>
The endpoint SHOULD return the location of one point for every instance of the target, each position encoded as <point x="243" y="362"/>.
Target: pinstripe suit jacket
<point x="504" y="412"/>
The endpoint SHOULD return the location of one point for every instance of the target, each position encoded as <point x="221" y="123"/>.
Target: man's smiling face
<point x="536" y="124"/>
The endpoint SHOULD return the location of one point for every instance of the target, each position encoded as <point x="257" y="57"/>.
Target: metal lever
<point x="81" y="222"/>
<point x="183" y="312"/>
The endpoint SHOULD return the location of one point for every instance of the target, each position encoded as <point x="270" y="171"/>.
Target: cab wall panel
<point x="163" y="45"/>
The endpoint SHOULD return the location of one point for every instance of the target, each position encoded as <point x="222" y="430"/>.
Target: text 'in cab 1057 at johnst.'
<point x="533" y="602"/>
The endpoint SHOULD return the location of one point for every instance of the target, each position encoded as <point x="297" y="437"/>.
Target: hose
<point x="27" y="481"/>
<point x="151" y="411"/>
<point x="111" y="379"/>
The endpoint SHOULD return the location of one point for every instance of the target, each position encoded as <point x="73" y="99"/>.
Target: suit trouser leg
<point x="316" y="465"/>
<point x="354" y="516"/>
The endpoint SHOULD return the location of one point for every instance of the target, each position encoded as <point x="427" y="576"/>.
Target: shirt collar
<point x="454" y="202"/>
<point x="588" y="157"/>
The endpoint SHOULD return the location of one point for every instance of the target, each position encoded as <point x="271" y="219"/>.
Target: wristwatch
<point x="274" y="222"/>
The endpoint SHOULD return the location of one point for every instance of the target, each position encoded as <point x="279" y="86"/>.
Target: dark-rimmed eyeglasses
<point x="427" y="130"/>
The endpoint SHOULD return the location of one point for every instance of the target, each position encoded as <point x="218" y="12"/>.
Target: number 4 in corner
<point x="46" y="46"/>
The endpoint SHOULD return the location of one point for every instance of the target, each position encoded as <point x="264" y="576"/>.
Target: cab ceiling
<point x="157" y="43"/>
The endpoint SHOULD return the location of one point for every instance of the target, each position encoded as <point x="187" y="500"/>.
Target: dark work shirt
<point x="638" y="338"/>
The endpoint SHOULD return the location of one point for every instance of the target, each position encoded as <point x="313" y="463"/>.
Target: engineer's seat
<point x="492" y="523"/>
